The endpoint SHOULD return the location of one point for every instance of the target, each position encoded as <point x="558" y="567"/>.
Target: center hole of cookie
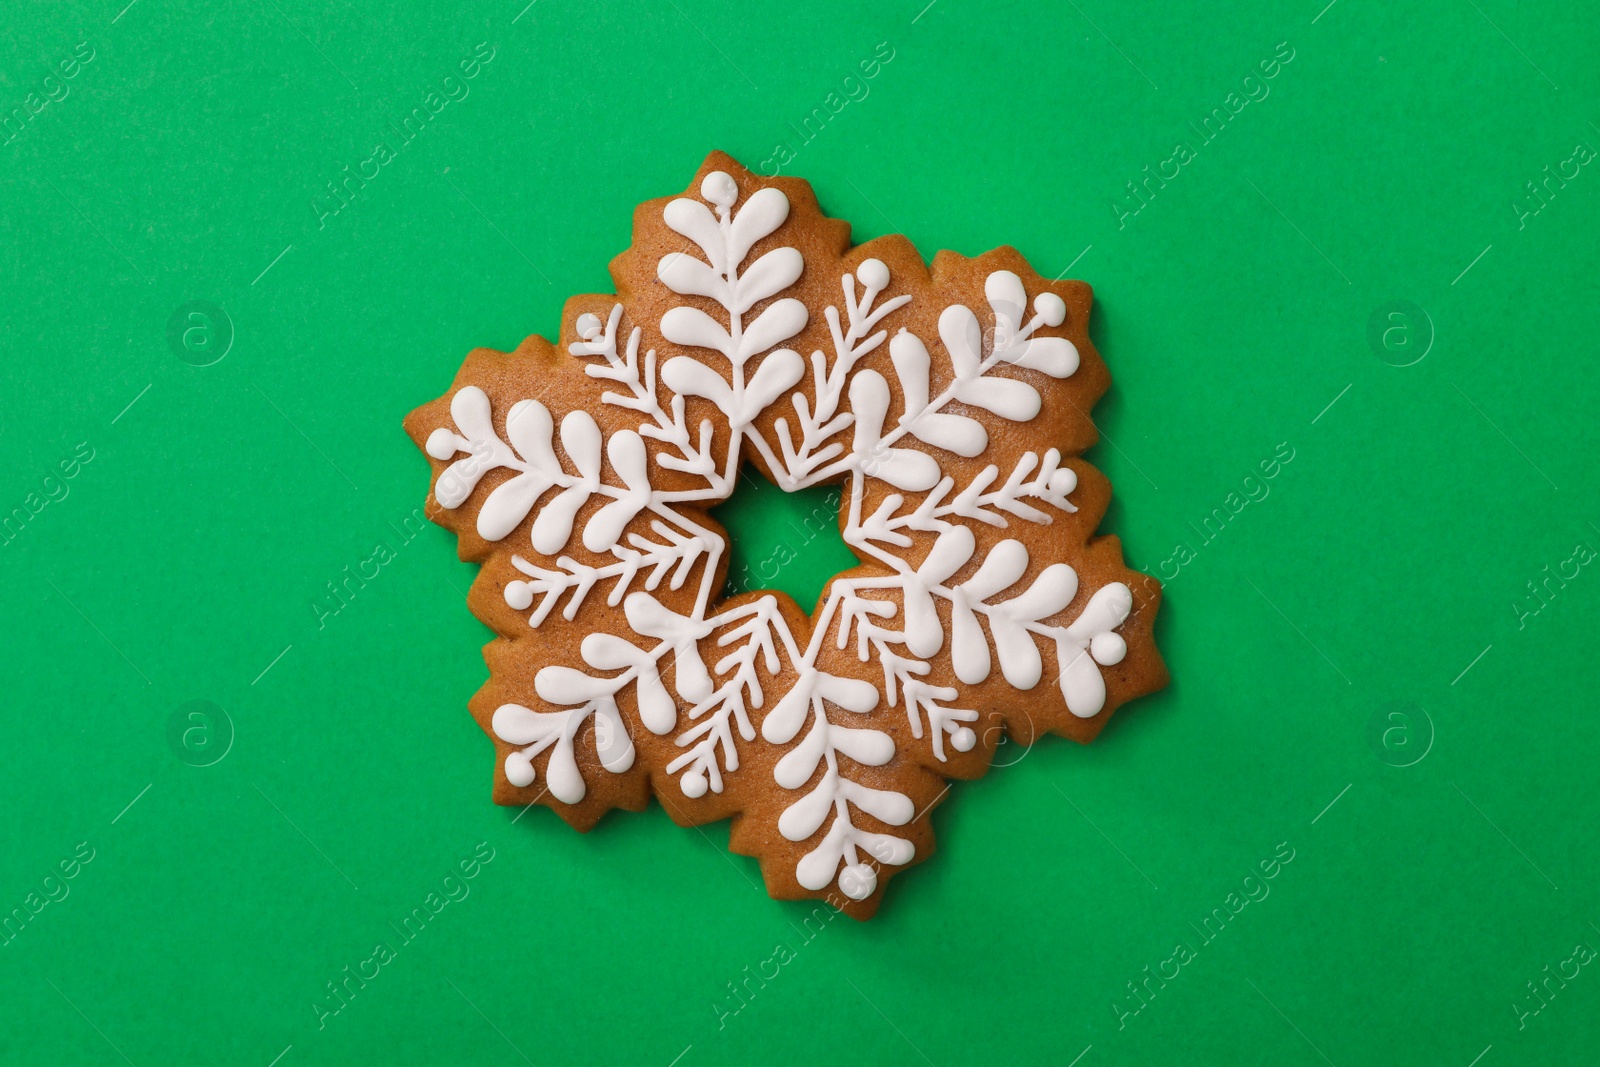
<point x="787" y="542"/>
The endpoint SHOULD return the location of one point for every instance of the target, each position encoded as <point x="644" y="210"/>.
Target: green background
<point x="1379" y="575"/>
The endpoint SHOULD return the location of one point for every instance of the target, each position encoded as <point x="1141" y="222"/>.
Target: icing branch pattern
<point x="821" y="418"/>
<point x="693" y="447"/>
<point x="726" y="662"/>
<point x="830" y="802"/>
<point x="710" y="744"/>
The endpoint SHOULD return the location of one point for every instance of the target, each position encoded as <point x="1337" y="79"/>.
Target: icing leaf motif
<point x="784" y="721"/>
<point x="562" y="774"/>
<point x="1105" y="611"/>
<point x="779" y="322"/>
<point x="1049" y="594"/>
<point x="808" y="457"/>
<point x="1055" y="356"/>
<point x="902" y="468"/>
<point x="1000" y="570"/>
<point x="970" y="648"/>
<point x="693" y="378"/>
<point x="796" y="767"/>
<point x="851" y="694"/>
<point x="963" y="339"/>
<point x="529" y="427"/>
<point x="777" y="374"/>
<point x="834" y="796"/>
<point x="818" y="866"/>
<point x="955" y="433"/>
<point x="649" y="617"/>
<point x="611" y="741"/>
<point x="1013" y="337"/>
<point x="626" y="451"/>
<point x="761" y="215"/>
<point x="688" y="276"/>
<point x="509" y="504"/>
<point x="517" y="724"/>
<point x="470" y="410"/>
<point x="1020" y="662"/>
<point x="607" y="652"/>
<point x="772" y="273"/>
<point x="911" y="365"/>
<point x="580" y="437"/>
<point x="693" y="327"/>
<point x="924" y="634"/>
<point x="1006" y="397"/>
<point x="1081" y="683"/>
<point x="885" y="805"/>
<point x="553" y="526"/>
<point x="695" y="221"/>
<point x="555" y="730"/>
<point x="805" y="816"/>
<point x="1009" y="301"/>
<point x="871" y="747"/>
<point x="564" y="685"/>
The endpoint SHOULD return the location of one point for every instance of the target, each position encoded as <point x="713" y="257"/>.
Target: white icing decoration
<point x="820" y="418"/>
<point x="670" y="666"/>
<point x="871" y="455"/>
<point x="834" y="795"/>
<point x="540" y="730"/>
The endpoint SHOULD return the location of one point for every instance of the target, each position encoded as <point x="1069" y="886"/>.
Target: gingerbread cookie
<point x="950" y="405"/>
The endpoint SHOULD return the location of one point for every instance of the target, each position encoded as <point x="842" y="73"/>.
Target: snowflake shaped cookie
<point x="950" y="405"/>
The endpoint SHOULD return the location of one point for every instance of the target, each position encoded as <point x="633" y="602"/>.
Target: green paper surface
<point x="1382" y="655"/>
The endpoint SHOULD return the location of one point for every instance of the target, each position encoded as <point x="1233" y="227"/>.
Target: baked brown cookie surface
<point x="950" y="405"/>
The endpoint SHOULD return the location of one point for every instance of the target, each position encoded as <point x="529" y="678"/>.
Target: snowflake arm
<point x="820" y="420"/>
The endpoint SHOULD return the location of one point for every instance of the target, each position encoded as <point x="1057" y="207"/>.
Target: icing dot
<point x="441" y="444"/>
<point x="588" y="326"/>
<point x="1051" y="308"/>
<point x="693" y="784"/>
<point x="1063" y="481"/>
<point x="519" y="595"/>
<point x="963" y="740"/>
<point x="857" y="881"/>
<point x="873" y="274"/>
<point x="519" y="769"/>
<point x="1108" y="648"/>
<point x="719" y="189"/>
